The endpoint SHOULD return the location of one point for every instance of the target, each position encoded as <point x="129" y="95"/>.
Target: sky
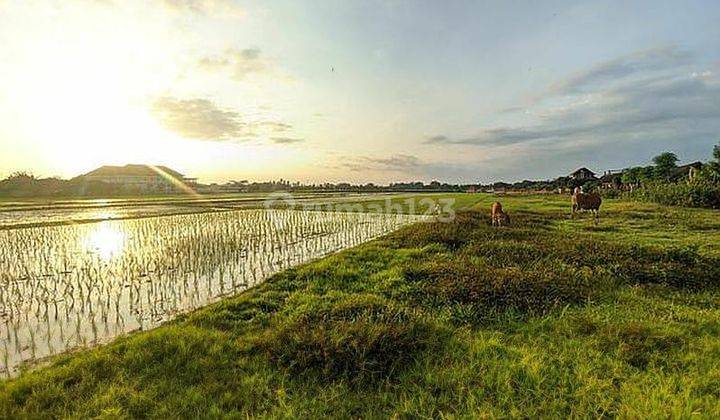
<point x="356" y="91"/>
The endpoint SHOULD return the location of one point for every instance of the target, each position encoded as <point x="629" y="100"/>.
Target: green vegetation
<point x="713" y="167"/>
<point x="549" y="317"/>
<point x="697" y="193"/>
<point x="665" y="165"/>
<point x="666" y="183"/>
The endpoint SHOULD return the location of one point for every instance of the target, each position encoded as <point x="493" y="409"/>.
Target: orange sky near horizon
<point x="374" y="91"/>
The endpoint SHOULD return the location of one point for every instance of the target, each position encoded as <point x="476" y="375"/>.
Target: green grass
<point x="550" y="317"/>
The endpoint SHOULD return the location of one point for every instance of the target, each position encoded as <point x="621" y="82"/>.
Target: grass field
<point x="550" y="317"/>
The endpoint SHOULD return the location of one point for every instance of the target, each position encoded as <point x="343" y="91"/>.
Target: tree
<point x="665" y="165"/>
<point x="638" y="175"/>
<point x="713" y="167"/>
<point x="631" y="176"/>
<point x="21" y="176"/>
<point x="646" y="174"/>
<point x="590" y="186"/>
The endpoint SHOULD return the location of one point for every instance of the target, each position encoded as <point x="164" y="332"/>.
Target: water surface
<point x="69" y="286"/>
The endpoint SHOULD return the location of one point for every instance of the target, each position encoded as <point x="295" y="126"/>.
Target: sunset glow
<point x="359" y="209"/>
<point x="226" y="90"/>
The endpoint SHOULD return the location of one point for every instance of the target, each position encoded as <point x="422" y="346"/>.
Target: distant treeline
<point x="25" y="184"/>
<point x="636" y="183"/>
<point x="699" y="187"/>
<point x="283" y="185"/>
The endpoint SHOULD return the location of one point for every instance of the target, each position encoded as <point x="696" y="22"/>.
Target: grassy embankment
<point x="550" y="317"/>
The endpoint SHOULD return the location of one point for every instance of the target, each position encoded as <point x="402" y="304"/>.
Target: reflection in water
<point x="70" y="286"/>
<point x="106" y="240"/>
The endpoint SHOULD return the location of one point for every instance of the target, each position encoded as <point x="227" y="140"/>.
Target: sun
<point x="82" y="100"/>
<point x="88" y="117"/>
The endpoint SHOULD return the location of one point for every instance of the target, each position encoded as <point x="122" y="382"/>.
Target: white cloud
<point x="394" y="163"/>
<point x="202" y="119"/>
<point x="637" y="97"/>
<point x="205" y="7"/>
<point x="238" y="63"/>
<point x="286" y="140"/>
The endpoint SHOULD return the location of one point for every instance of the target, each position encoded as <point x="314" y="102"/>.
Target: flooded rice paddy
<point x="76" y="285"/>
<point x="27" y="218"/>
<point x="29" y="214"/>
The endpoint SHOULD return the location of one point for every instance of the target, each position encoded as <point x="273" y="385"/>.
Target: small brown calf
<point x="498" y="216"/>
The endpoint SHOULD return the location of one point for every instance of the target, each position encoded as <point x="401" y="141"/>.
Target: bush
<point x="353" y="337"/>
<point x="701" y="193"/>
<point x="638" y="344"/>
<point x="610" y="193"/>
<point x="681" y="268"/>
<point x="451" y="235"/>
<point x="490" y="291"/>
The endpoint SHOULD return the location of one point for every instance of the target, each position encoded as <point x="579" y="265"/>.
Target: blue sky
<point x="371" y="91"/>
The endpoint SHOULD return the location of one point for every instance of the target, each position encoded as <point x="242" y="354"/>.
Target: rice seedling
<point x="63" y="287"/>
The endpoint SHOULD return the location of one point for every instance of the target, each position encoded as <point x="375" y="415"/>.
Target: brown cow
<point x="498" y="216"/>
<point x="586" y="201"/>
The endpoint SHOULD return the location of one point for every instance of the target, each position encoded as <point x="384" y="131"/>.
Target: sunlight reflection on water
<point x="78" y="285"/>
<point x="106" y="240"/>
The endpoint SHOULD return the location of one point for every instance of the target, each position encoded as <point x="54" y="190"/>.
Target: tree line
<point x="664" y="170"/>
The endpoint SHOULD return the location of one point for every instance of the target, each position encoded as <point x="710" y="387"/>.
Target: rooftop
<point x="135" y="170"/>
<point x="583" y="169"/>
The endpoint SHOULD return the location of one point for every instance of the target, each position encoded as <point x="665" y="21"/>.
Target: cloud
<point x="490" y="137"/>
<point x="202" y="119"/>
<point x="638" y="63"/>
<point x="205" y="7"/>
<point x="409" y="167"/>
<point x="286" y="140"/>
<point x="274" y="126"/>
<point x="512" y="109"/>
<point x="198" y="119"/>
<point x="637" y="98"/>
<point x="438" y="139"/>
<point x="240" y="63"/>
<point x="394" y="163"/>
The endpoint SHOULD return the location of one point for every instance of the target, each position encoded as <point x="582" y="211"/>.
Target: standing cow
<point x="586" y="201"/>
<point x="498" y="216"/>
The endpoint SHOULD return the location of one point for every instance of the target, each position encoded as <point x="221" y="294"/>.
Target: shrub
<point x="610" y="193"/>
<point x="236" y="314"/>
<point x="700" y="193"/>
<point x="339" y="306"/>
<point x="680" y="267"/>
<point x="639" y="344"/>
<point x="489" y="291"/>
<point x="353" y="337"/>
<point x="451" y="235"/>
<point x="659" y="267"/>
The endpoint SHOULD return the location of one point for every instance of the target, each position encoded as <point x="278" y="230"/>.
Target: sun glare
<point x="83" y="100"/>
<point x="106" y="240"/>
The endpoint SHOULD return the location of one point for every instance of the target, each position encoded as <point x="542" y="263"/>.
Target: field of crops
<point x="63" y="287"/>
<point x="550" y="317"/>
<point x="14" y="214"/>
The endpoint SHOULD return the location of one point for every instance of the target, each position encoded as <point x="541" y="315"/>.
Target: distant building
<point x="583" y="174"/>
<point x="688" y="171"/>
<point x="140" y="178"/>
<point x="612" y="179"/>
